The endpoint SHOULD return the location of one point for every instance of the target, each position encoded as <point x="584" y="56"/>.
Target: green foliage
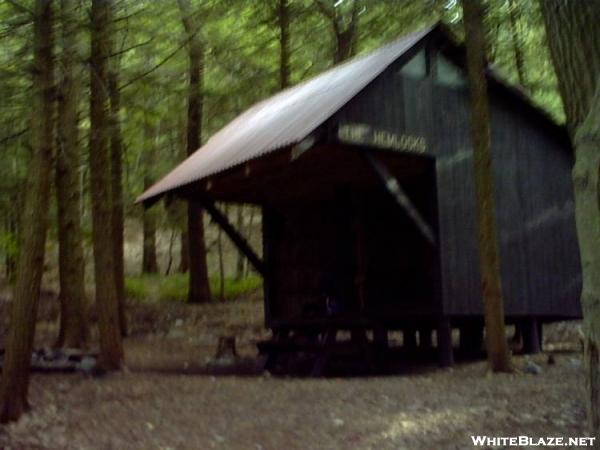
<point x="175" y="287"/>
<point x="241" y="67"/>
<point x="139" y="287"/>
<point x="9" y="246"/>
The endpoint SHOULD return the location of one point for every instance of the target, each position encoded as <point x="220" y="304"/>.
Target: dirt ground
<point x="170" y="398"/>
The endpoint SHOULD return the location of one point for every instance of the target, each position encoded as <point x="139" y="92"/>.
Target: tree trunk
<point x="574" y="41"/>
<point x="15" y="372"/>
<point x="491" y="284"/>
<point x="239" y="264"/>
<point x="118" y="213"/>
<point x="199" y="290"/>
<point x="221" y="257"/>
<point x="111" y="348"/>
<point x="249" y="235"/>
<point x="170" y="253"/>
<point x="517" y="43"/>
<point x="585" y="183"/>
<point x="184" y="259"/>
<point x="72" y="332"/>
<point x="284" y="43"/>
<point x="149" y="261"/>
<point x="345" y="30"/>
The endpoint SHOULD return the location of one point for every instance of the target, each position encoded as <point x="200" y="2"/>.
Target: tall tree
<point x="34" y="222"/>
<point x="111" y="348"/>
<point x="283" y="19"/>
<point x="149" y="260"/>
<point x="344" y="26"/>
<point x="491" y="284"/>
<point x="199" y="290"/>
<point x="68" y="156"/>
<point x="517" y="45"/>
<point x="240" y="261"/>
<point x="118" y="210"/>
<point x="574" y="41"/>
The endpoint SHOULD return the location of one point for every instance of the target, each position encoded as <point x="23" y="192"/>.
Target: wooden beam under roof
<point x="238" y="240"/>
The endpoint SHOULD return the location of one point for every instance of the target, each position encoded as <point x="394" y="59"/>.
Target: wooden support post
<point x="243" y="246"/>
<point x="409" y="338"/>
<point x="444" y="343"/>
<point x="531" y="336"/>
<point x="425" y="338"/>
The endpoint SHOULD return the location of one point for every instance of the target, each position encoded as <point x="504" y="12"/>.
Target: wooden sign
<point x="358" y="133"/>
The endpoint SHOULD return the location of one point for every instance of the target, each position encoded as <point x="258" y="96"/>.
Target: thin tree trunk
<point x="345" y="34"/>
<point x="170" y="253"/>
<point x="184" y="259"/>
<point x="15" y="371"/>
<point x="239" y="265"/>
<point x="199" y="289"/>
<point x="515" y="33"/>
<point x="249" y="235"/>
<point x="70" y="240"/>
<point x="149" y="260"/>
<point x="491" y="284"/>
<point x="284" y="43"/>
<point x="221" y="256"/>
<point x="111" y="348"/>
<point x="118" y="213"/>
<point x="221" y="264"/>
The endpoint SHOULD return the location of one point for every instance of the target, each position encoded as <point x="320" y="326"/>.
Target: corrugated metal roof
<point x="286" y="118"/>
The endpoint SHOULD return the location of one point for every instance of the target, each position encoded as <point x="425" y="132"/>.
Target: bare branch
<point x="14" y="135"/>
<point x="152" y="69"/>
<point x="125" y="50"/>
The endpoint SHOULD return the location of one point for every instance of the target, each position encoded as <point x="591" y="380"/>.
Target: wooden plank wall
<point x="535" y="207"/>
<point x="540" y="262"/>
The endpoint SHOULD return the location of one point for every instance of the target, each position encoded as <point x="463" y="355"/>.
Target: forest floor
<point x="171" y="396"/>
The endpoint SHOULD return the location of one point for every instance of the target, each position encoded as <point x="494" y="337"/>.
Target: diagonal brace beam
<point x="394" y="188"/>
<point x="220" y="219"/>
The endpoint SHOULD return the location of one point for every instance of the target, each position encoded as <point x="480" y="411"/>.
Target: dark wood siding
<point x="456" y="199"/>
<point x="534" y="199"/>
<point x="534" y="196"/>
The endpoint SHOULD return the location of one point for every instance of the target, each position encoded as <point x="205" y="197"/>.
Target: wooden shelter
<point x="365" y="179"/>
